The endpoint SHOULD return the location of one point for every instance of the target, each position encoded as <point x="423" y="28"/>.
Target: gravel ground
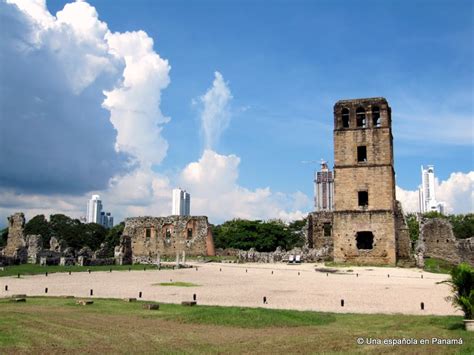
<point x="300" y="287"/>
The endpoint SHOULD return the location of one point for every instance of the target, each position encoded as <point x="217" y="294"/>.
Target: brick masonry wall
<point x="382" y="226"/>
<point x="169" y="235"/>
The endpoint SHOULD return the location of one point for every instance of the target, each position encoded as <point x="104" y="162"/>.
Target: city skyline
<point x="158" y="94"/>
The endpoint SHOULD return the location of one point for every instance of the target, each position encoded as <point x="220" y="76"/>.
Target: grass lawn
<point x="58" y="325"/>
<point x="33" y="269"/>
<point x="437" y="266"/>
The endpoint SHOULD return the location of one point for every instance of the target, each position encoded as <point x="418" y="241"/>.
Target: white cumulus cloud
<point x="457" y="192"/>
<point x="215" y="116"/>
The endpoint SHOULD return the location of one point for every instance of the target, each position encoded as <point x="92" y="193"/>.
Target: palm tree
<point x="462" y="285"/>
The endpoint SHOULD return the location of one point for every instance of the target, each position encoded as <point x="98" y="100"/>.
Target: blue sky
<point x="287" y="62"/>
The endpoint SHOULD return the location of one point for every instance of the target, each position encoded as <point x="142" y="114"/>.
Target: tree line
<point x="72" y="231"/>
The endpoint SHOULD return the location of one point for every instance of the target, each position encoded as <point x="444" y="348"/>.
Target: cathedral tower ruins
<point x="365" y="209"/>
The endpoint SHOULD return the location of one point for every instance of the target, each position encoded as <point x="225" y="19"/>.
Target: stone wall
<point x="437" y="240"/>
<point x="320" y="233"/>
<point x="402" y="235"/>
<point x="165" y="236"/>
<point x="279" y="255"/>
<point x="380" y="224"/>
<point x="365" y="232"/>
<point x="16" y="244"/>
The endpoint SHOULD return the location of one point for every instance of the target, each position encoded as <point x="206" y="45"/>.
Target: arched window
<point x="376" y="116"/>
<point x="345" y="118"/>
<point x="360" y="117"/>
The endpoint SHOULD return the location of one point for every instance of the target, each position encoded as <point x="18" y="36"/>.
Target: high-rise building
<point x="96" y="215"/>
<point x="94" y="208"/>
<point x="426" y="192"/>
<point x="323" y="188"/>
<point x="181" y="203"/>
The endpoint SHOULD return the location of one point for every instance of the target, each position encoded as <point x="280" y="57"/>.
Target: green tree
<point x="67" y="229"/>
<point x="93" y="235"/>
<point x="463" y="225"/>
<point x="413" y="226"/>
<point x="462" y="285"/>
<point x="263" y="236"/>
<point x="112" y="237"/>
<point x="39" y="225"/>
<point x="3" y="237"/>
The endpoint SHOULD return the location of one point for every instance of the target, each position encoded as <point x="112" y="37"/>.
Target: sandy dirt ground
<point x="299" y="287"/>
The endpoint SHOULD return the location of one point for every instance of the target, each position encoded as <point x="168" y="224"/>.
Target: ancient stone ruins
<point x="155" y="237"/>
<point x="365" y="226"/>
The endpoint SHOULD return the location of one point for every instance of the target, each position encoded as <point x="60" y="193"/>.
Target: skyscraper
<point x="181" y="203"/>
<point x="96" y="215"/>
<point x="426" y="192"/>
<point x="323" y="188"/>
<point x="94" y="208"/>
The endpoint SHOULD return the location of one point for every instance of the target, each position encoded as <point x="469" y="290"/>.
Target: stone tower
<point x="365" y="222"/>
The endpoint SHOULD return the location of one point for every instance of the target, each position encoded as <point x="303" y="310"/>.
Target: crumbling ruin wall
<point x="402" y="234"/>
<point x="16" y="244"/>
<point x="279" y="255"/>
<point x="466" y="250"/>
<point x="166" y="236"/>
<point x="437" y="240"/>
<point x="35" y="248"/>
<point x="319" y="233"/>
<point x="381" y="224"/>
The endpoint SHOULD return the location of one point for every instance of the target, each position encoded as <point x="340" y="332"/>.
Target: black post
<point x="129" y="269"/>
<point x="245" y="270"/>
<point x="357" y="275"/>
<point x="6" y="287"/>
<point x="110" y="270"/>
<point x="220" y="269"/>
<point x="421" y="275"/>
<point x="140" y="294"/>
<point x="18" y="275"/>
<point x="298" y="273"/>
<point x="422" y="305"/>
<point x="388" y="275"/>
<point x="264" y="300"/>
<point x="196" y="268"/>
<point x="327" y="274"/>
<point x="46" y="273"/>
<point x="272" y="272"/>
<point x="194" y="297"/>
<point x="89" y="270"/>
<point x="92" y="292"/>
<point x="69" y="272"/>
<point x="46" y="290"/>
<point x="342" y="303"/>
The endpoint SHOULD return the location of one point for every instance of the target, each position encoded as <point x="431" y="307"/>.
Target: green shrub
<point x="462" y="285"/>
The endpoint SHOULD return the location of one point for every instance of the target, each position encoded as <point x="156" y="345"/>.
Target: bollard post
<point x="220" y="269"/>
<point x="46" y="273"/>
<point x="110" y="270"/>
<point x="327" y="274"/>
<point x="129" y="269"/>
<point x="357" y="275"/>
<point x="46" y="290"/>
<point x="388" y="275"/>
<point x="422" y="305"/>
<point x="196" y="268"/>
<point x="245" y="270"/>
<point x="18" y="275"/>
<point x="272" y="272"/>
<point x="264" y="300"/>
<point x="144" y="269"/>
<point x="92" y="292"/>
<point x="6" y="287"/>
<point x="140" y="294"/>
<point x="194" y="297"/>
<point x="342" y="303"/>
<point x="69" y="272"/>
<point x="89" y="270"/>
<point x="421" y="275"/>
<point x="298" y="273"/>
